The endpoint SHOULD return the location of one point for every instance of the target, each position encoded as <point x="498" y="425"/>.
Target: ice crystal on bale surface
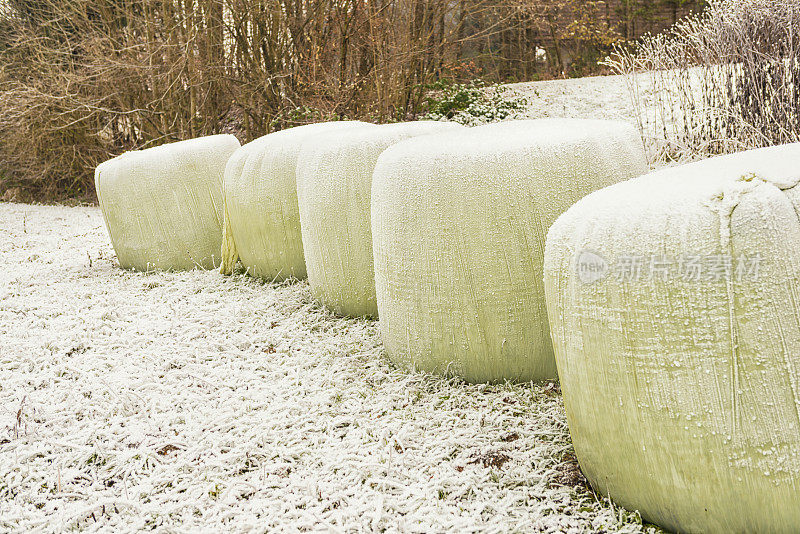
<point x="679" y="352"/>
<point x="262" y="222"/>
<point x="163" y="205"/>
<point x="334" y="183"/>
<point x="458" y="223"/>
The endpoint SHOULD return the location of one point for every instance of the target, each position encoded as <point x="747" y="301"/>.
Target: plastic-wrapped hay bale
<point x="458" y="224"/>
<point x="163" y="205"/>
<point x="673" y="300"/>
<point x="334" y="180"/>
<point x="262" y="222"/>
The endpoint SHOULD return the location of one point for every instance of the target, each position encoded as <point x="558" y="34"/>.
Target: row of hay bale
<point x="682" y="394"/>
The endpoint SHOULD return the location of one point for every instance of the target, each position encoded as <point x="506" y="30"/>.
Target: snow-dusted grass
<point x="193" y="401"/>
<point x="594" y="97"/>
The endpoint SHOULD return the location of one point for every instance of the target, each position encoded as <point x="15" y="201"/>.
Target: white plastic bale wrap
<point x="163" y="205"/>
<point x="682" y="388"/>
<point x="334" y="183"/>
<point x="262" y="223"/>
<point x="458" y="224"/>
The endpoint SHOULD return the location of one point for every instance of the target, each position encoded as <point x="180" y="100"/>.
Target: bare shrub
<point x="722" y="81"/>
<point x="83" y="80"/>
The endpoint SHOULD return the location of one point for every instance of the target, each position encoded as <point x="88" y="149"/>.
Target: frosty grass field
<point x="193" y="401"/>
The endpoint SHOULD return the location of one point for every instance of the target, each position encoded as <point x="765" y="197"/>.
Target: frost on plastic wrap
<point x="682" y="388"/>
<point x="334" y="180"/>
<point x="458" y="224"/>
<point x="262" y="223"/>
<point x="163" y="205"/>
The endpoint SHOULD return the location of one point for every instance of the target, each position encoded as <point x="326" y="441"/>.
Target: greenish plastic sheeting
<point x="262" y="223"/>
<point x="163" y="206"/>
<point x="682" y="381"/>
<point x="458" y="224"/>
<point x="334" y="181"/>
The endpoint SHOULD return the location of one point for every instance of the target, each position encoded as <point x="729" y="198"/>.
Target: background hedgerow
<point x="722" y="81"/>
<point x="83" y="80"/>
